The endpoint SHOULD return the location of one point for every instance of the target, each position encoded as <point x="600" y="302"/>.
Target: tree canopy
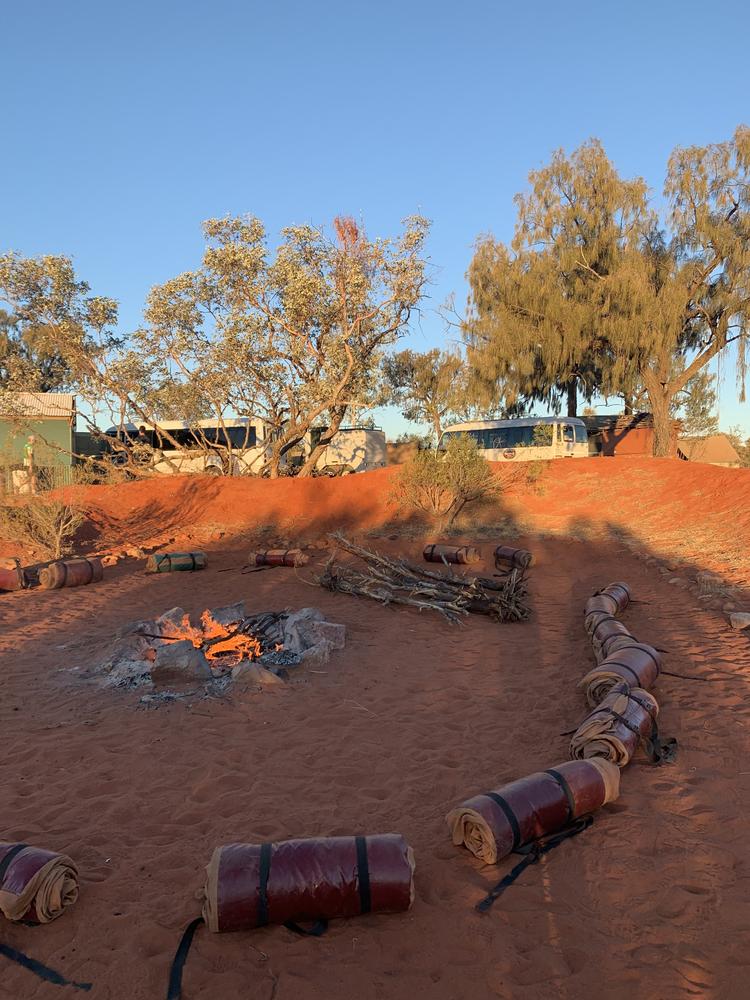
<point x="295" y="337"/>
<point x="427" y="387"/>
<point x="596" y="290"/>
<point x="28" y="362"/>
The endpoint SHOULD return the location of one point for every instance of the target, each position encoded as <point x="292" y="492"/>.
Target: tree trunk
<point x="437" y="429"/>
<point x="660" y="392"/>
<point x="309" y="466"/>
<point x="660" y="397"/>
<point x="273" y="463"/>
<point x="662" y="427"/>
<point x="572" y="393"/>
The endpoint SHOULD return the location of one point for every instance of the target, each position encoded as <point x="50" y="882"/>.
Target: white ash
<point x="153" y="655"/>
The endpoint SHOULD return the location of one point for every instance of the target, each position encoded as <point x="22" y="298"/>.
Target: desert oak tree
<point x="596" y="287"/>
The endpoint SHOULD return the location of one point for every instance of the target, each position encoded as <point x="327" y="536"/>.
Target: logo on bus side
<point x="509" y="453"/>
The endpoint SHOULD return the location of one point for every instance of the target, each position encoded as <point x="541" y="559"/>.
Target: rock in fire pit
<point x="226" y="645"/>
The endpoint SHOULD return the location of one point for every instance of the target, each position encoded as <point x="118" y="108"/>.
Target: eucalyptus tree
<point x="427" y="387"/>
<point x="295" y="337"/>
<point x="27" y="362"/>
<point x="59" y="336"/>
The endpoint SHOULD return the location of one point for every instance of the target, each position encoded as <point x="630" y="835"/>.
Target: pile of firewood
<point x="395" y="581"/>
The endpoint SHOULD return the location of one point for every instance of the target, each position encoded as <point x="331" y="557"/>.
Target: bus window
<point x="581" y="434"/>
<point x="243" y="437"/>
<point x="568" y="434"/>
<point x="237" y="438"/>
<point x="316" y="433"/>
<point x="543" y="435"/>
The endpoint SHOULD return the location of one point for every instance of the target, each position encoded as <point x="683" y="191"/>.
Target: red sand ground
<point x="412" y="717"/>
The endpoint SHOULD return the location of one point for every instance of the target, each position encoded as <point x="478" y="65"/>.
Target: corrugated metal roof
<point x="715" y="449"/>
<point x="37" y="404"/>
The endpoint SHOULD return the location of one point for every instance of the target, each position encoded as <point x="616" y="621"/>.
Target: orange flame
<point x="218" y="641"/>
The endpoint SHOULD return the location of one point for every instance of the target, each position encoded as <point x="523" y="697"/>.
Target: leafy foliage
<point x="426" y="387"/>
<point x="696" y="406"/>
<point x="596" y="288"/>
<point x="296" y="338"/>
<point x="442" y="483"/>
<point x="741" y="445"/>
<point x="42" y="523"/>
<point x="28" y="362"/>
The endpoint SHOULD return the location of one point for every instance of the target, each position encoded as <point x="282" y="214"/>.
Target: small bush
<point x="43" y="524"/>
<point x="104" y="471"/>
<point x="442" y="483"/>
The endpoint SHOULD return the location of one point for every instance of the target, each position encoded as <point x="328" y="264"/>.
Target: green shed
<point x="51" y="418"/>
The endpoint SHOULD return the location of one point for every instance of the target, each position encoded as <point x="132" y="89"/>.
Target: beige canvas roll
<point x="36" y="885"/>
<point x="617" y="726"/>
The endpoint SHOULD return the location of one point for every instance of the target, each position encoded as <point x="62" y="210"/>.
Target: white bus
<point x="352" y="449"/>
<point x="527" y="439"/>
<point x="240" y="446"/>
<point x="234" y="446"/>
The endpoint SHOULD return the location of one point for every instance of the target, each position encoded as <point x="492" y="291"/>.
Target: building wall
<point x="628" y="441"/>
<point x="626" y="436"/>
<point x="55" y="430"/>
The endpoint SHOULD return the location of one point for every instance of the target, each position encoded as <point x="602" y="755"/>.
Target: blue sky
<point x="126" y="125"/>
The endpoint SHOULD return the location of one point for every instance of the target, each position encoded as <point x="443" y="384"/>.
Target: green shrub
<point x="442" y="483"/>
<point x="43" y="524"/>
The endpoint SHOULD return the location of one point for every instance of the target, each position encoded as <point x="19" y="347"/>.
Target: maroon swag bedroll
<point x="637" y="663"/>
<point x="506" y="556"/>
<point x="494" y="824"/>
<point x="613" y="599"/>
<point x="250" y="885"/>
<point x="36" y="885"/>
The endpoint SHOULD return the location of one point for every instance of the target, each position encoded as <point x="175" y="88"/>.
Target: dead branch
<point x="395" y="581"/>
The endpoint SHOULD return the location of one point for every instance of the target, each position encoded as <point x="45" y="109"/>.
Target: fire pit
<point x="225" y="645"/>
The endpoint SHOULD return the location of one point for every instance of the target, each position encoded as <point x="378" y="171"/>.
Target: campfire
<point x="224" y="645"/>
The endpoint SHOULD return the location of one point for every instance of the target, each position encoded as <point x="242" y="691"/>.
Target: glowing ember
<point x="239" y="647"/>
<point x="219" y="642"/>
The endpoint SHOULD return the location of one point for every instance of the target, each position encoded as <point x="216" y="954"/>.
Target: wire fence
<point x="15" y="480"/>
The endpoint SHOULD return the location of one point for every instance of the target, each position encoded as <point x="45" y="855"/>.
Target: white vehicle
<point x="234" y="446"/>
<point x="527" y="439"/>
<point x="352" y="449"/>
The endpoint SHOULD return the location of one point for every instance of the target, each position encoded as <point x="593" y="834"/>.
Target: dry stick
<point x="410" y="569"/>
<point x="450" y="611"/>
<point x="447" y="593"/>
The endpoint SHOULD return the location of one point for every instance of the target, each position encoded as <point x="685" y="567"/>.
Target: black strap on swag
<point x="536" y="849"/>
<point x="658" y="751"/>
<point x="42" y="971"/>
<point x="319" y="927"/>
<point x="532" y="853"/>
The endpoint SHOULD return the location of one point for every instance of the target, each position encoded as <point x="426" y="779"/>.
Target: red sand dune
<point x="411" y="718"/>
<point x="690" y="507"/>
